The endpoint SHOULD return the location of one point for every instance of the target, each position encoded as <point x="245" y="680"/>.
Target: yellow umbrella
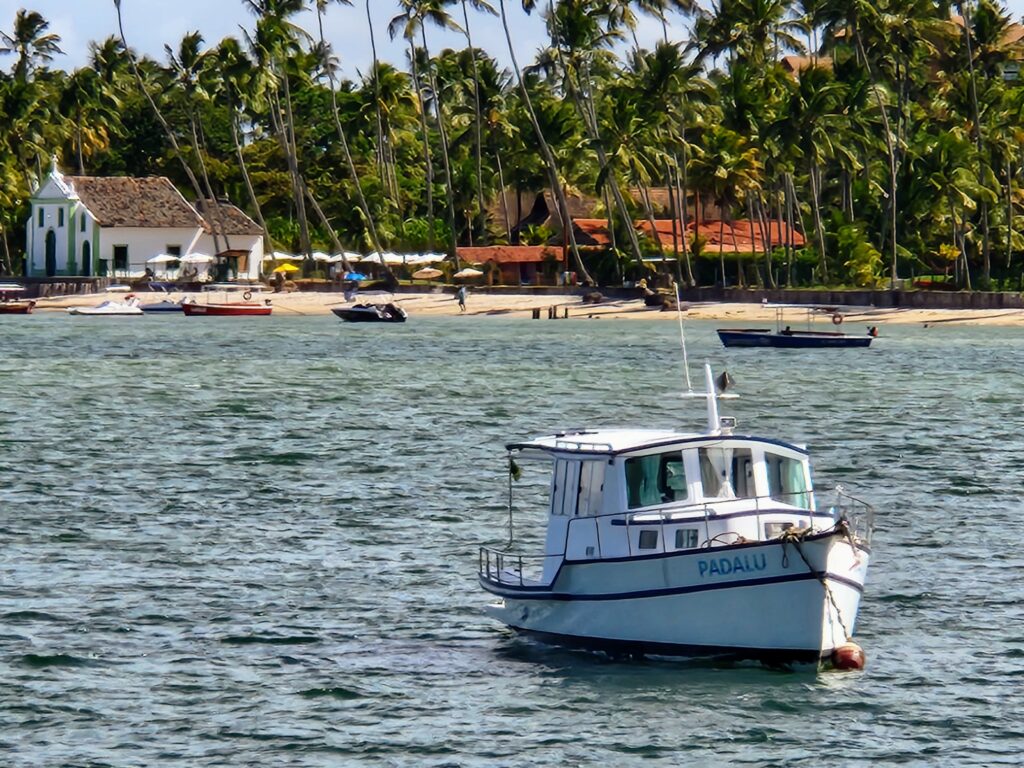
<point x="287" y="268"/>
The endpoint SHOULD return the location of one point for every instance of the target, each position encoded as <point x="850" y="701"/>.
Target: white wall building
<point x="93" y="226"/>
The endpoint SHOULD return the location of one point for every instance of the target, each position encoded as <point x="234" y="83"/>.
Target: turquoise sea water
<point x="253" y="542"/>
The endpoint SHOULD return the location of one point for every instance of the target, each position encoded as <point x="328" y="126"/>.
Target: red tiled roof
<point x="508" y="254"/>
<point x="741" y="236"/>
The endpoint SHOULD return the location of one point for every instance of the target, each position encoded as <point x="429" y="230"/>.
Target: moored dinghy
<point x="684" y="544"/>
<point x="127" y="308"/>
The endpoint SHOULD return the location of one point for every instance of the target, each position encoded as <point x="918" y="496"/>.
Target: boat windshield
<point x="787" y="480"/>
<point x="658" y="478"/>
<point x="727" y="473"/>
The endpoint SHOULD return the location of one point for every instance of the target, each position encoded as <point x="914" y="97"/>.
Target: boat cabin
<point x="634" y="493"/>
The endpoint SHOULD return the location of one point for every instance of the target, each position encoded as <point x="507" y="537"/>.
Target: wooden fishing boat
<point x="10" y="304"/>
<point x="228" y="309"/>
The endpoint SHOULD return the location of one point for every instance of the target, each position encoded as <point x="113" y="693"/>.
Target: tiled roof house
<point x="95" y="226"/>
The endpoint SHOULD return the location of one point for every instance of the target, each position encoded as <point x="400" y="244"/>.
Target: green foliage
<point x="862" y="260"/>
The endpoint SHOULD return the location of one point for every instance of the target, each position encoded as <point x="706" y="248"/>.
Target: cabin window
<point x="787" y="480"/>
<point x="686" y="538"/>
<point x="727" y="473"/>
<point x="648" y="539"/>
<point x="655" y="479"/>
<point x="566" y="488"/>
<point x="591" y="487"/>
<point x="60" y="217"/>
<point x="42" y="216"/>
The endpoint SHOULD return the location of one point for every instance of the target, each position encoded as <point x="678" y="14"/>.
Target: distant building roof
<point x="134" y="202"/>
<point x="234" y="219"/>
<point x="794" y="65"/>
<point x="740" y="236"/>
<point x="508" y="254"/>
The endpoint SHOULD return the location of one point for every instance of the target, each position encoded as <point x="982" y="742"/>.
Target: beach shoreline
<point x="523" y="306"/>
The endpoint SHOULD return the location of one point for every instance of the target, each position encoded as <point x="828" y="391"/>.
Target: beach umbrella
<point x="283" y="256"/>
<point x="197" y="258"/>
<point x="163" y="258"/>
<point x="287" y="268"/>
<point x="468" y="272"/>
<point x="428" y="273"/>
<point x="320" y="256"/>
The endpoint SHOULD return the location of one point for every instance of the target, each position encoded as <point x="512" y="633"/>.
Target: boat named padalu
<point x="683" y="544"/>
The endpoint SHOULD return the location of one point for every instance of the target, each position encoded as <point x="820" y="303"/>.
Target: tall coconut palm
<point x="549" y="159"/>
<point x="371" y="228"/>
<point x="484" y="6"/>
<point x="144" y="89"/>
<point x="30" y="42"/>
<point x="412" y="21"/>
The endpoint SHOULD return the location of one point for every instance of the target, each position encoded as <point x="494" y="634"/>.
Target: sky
<point x="150" y="24"/>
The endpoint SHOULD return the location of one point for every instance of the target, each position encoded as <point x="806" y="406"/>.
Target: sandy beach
<point x="522" y="306"/>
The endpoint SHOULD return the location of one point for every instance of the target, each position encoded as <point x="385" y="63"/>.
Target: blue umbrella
<point x="354" y="276"/>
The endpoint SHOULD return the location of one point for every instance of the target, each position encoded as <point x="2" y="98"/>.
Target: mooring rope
<point x="796" y="537"/>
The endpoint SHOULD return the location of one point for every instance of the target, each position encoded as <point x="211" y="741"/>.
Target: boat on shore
<point x="786" y="337"/>
<point x="228" y="309"/>
<point x="162" y="307"/>
<point x="372" y="313"/>
<point x="682" y="544"/>
<point x="10" y="301"/>
<point x="127" y="308"/>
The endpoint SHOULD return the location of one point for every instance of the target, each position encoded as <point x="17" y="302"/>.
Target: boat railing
<point x="705" y="513"/>
<point x="512" y="568"/>
<point x="858" y="514"/>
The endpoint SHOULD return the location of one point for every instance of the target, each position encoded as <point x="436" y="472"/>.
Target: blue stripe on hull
<point x="535" y="593"/>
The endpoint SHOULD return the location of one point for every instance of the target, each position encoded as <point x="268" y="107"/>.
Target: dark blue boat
<point x="762" y="337"/>
<point x="787" y="338"/>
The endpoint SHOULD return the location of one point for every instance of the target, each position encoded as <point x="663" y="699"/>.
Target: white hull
<point x="757" y="600"/>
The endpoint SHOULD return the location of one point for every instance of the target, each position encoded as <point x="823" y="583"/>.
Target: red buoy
<point x="848" y="656"/>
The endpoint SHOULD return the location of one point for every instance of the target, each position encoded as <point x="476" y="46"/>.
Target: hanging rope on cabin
<point x="796" y="537"/>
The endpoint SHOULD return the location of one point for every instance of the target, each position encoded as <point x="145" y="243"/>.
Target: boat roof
<point x="611" y="442"/>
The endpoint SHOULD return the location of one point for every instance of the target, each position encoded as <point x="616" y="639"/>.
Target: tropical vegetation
<point x="890" y="133"/>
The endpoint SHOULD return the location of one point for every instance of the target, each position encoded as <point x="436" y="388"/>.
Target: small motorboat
<point x="786" y="337"/>
<point x="161" y="307"/>
<point x="227" y="309"/>
<point x="110" y="308"/>
<point x="372" y="313"/>
<point x="670" y="543"/>
<point x="10" y="304"/>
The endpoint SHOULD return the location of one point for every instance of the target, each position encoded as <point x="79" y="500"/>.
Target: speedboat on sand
<point x="372" y="313"/>
<point x="672" y="543"/>
<point x="10" y="304"/>
<point x="130" y="306"/>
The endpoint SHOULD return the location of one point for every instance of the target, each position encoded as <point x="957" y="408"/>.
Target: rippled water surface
<point x="253" y="542"/>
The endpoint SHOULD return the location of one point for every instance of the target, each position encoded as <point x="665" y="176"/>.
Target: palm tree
<point x="168" y="132"/>
<point x="549" y="159"/>
<point x="321" y="9"/>
<point x="30" y="41"/>
<point x="412" y="21"/>
<point x="479" y="5"/>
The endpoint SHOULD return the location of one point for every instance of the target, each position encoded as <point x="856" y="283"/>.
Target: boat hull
<point x="795" y="340"/>
<point x="767" y="600"/>
<point x="226" y="310"/>
<point x="17" y="307"/>
<point x="370" y="314"/>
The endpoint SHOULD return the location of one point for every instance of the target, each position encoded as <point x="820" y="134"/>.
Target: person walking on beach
<point x="460" y="296"/>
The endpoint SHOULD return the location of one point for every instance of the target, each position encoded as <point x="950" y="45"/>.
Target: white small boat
<point x="130" y="306"/>
<point x="161" y="307"/>
<point x="683" y="544"/>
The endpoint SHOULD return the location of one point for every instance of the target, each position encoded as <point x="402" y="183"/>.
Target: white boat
<point x="130" y="306"/>
<point x="683" y="544"/>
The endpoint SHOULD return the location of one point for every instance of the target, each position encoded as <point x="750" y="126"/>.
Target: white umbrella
<point x="197" y="258"/>
<point x="320" y="256"/>
<point x="468" y="272"/>
<point x="163" y="258"/>
<point x="373" y="258"/>
<point x="282" y="256"/>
